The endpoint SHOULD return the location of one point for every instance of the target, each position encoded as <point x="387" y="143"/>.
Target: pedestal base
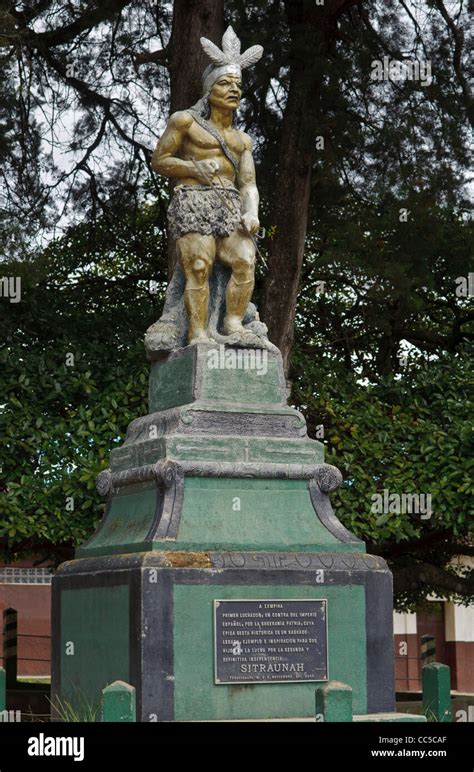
<point x="147" y="619"/>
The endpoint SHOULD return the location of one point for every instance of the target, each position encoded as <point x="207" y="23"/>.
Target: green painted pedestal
<point x="217" y="493"/>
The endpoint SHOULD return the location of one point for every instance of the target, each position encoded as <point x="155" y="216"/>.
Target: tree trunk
<point x="312" y="28"/>
<point x="290" y="215"/>
<point x="192" y="19"/>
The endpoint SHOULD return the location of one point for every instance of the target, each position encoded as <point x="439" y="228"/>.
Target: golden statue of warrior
<point x="213" y="214"/>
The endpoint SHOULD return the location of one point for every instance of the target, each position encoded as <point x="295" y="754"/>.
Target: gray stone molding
<point x="298" y="561"/>
<point x="324" y="474"/>
<point x="326" y="479"/>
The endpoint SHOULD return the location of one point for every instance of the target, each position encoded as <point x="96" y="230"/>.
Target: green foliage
<point x="73" y="376"/>
<point x="411" y="434"/>
<point x="58" y="427"/>
<point x="385" y="282"/>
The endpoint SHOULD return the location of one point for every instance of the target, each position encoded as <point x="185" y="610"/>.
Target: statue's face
<point x="226" y="92"/>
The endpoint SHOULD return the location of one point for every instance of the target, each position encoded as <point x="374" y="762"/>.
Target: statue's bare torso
<point x="201" y="145"/>
<point x="185" y="139"/>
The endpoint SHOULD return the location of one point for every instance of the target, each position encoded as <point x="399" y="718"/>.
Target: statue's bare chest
<point x="200" y="138"/>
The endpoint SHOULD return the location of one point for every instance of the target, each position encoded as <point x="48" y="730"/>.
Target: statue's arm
<point x="164" y="159"/>
<point x="248" y="188"/>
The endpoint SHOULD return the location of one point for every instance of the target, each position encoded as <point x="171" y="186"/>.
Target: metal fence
<point x="11" y="641"/>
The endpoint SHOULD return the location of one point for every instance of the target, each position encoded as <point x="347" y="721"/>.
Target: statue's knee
<point x="243" y="267"/>
<point x="248" y="256"/>
<point x="199" y="273"/>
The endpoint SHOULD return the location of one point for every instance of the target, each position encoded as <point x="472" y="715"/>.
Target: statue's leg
<point x="196" y="254"/>
<point x="237" y="251"/>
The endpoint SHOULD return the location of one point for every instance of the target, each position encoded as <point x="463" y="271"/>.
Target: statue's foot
<point x="232" y="324"/>
<point x="201" y="336"/>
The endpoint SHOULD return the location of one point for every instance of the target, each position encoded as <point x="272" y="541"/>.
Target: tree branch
<point x="424" y="576"/>
<point x="458" y="35"/>
<point x="158" y="57"/>
<point x="93" y="16"/>
<point x="393" y="549"/>
<point x="93" y="97"/>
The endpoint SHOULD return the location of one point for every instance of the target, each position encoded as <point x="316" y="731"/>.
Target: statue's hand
<point x="204" y="171"/>
<point x="251" y="222"/>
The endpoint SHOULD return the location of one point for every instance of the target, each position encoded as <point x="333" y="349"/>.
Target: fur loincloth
<point x="201" y="209"/>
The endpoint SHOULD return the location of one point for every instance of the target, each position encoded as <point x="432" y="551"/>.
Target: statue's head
<point x="222" y="79"/>
<point x="226" y="91"/>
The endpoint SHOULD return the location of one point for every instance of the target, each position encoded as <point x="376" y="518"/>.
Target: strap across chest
<point x="217" y="136"/>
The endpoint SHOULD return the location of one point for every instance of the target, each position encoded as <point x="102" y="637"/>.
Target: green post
<point x="3" y="689"/>
<point x="334" y="702"/>
<point x="118" y="702"/>
<point x="436" y="692"/>
<point x="10" y="641"/>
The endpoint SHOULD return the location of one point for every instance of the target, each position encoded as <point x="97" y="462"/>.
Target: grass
<point x="81" y="709"/>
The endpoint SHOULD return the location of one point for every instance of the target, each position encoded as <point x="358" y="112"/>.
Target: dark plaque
<point x="266" y="641"/>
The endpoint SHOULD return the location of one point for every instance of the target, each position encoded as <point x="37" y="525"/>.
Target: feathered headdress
<point x="229" y="60"/>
